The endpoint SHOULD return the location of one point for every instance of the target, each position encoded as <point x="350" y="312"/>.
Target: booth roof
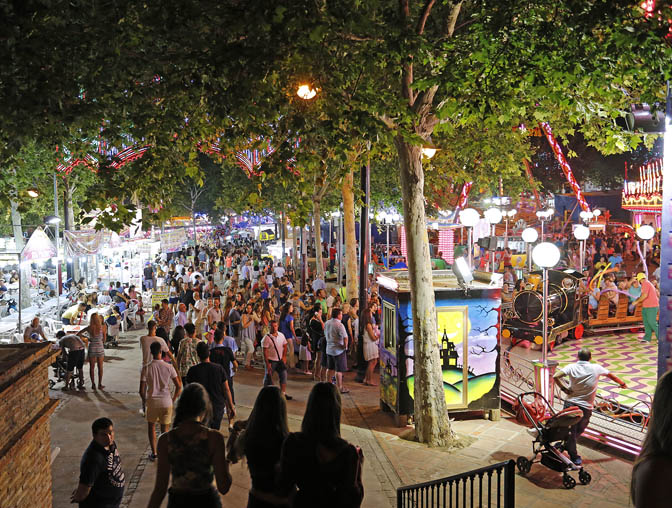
<point x="398" y="280"/>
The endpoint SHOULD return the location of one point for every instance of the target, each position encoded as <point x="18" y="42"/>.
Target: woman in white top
<point x="370" y="346"/>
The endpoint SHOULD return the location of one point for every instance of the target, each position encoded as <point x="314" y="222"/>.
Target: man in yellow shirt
<point x="75" y="314"/>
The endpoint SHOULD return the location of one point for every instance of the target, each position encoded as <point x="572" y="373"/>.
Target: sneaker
<point x="308" y="373"/>
<point x="141" y="411"/>
<point x="333" y="380"/>
<point x="577" y="461"/>
<point x="152" y="457"/>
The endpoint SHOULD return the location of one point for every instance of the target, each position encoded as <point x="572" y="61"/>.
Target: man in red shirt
<point x="649" y="301"/>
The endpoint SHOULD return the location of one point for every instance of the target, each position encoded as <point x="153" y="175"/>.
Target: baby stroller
<point x="60" y="366"/>
<point x="551" y="429"/>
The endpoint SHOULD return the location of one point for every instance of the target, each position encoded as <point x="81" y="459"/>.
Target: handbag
<point x="281" y="365"/>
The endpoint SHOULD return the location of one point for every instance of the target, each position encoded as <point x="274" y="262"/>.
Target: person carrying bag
<point x="275" y="362"/>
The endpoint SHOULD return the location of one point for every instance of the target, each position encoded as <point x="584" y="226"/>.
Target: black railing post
<point x="510" y="484"/>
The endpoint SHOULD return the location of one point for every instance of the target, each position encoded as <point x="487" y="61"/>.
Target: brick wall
<point x="25" y="438"/>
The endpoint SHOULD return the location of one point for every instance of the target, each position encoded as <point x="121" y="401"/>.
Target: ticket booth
<point x="468" y="334"/>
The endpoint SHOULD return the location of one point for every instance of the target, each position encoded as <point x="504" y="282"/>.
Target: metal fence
<point x="490" y="486"/>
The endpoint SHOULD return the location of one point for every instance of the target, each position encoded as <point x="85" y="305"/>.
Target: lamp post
<point x="645" y="232"/>
<point x="468" y="218"/>
<point x="493" y="216"/>
<point x="546" y="255"/>
<point x="530" y="236"/>
<point x="508" y="215"/>
<point x="581" y="233"/>
<point x="545" y="215"/>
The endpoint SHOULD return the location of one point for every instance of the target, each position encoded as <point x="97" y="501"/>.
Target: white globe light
<point x="395" y="217"/>
<point x="469" y="217"/>
<point x="597" y="212"/>
<point x="530" y="235"/>
<point x="581" y="232"/>
<point x="493" y="215"/>
<point x="511" y="213"/>
<point x="546" y="254"/>
<point x="646" y="232"/>
<point x="306" y="92"/>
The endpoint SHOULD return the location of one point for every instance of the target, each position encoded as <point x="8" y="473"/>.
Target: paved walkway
<point x="390" y="461"/>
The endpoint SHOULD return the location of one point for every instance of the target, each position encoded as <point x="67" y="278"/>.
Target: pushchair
<point x="552" y="429"/>
<point x="60" y="366"/>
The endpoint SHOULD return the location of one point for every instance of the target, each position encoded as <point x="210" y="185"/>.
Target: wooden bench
<point x="621" y="319"/>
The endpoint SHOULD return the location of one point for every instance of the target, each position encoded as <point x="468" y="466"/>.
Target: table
<point x="71" y="329"/>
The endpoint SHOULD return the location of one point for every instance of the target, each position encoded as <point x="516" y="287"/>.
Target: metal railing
<point x="490" y="486"/>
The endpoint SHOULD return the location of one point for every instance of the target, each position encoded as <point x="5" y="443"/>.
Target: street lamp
<point x="546" y="255"/>
<point x="468" y="218"/>
<point x="429" y="149"/>
<point x="545" y="215"/>
<point x="645" y="232"/>
<point x="586" y="216"/>
<point x="493" y="216"/>
<point x="530" y="236"/>
<point x="306" y="92"/>
<point x="508" y="215"/>
<point x="582" y="233"/>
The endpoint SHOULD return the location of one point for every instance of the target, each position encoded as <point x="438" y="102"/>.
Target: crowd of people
<point x="229" y="309"/>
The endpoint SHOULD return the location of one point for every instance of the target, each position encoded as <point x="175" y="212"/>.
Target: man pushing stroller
<point x="75" y="347"/>
<point x="583" y="378"/>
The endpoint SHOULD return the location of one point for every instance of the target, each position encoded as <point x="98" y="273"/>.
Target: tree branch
<point x="452" y="19"/>
<point x="389" y="123"/>
<point x="426" y="10"/>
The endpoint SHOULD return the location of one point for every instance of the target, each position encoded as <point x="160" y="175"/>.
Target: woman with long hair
<point x="318" y="343"/>
<point x="178" y="335"/>
<point x="97" y="333"/>
<point x="323" y="467"/>
<point x="260" y="439"/>
<point x="370" y="349"/>
<point x="192" y="454"/>
<point x="653" y="467"/>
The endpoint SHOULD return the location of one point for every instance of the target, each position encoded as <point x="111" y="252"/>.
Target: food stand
<point x="468" y="333"/>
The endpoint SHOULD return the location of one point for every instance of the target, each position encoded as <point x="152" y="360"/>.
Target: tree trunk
<point x="432" y="424"/>
<point x="17" y="229"/>
<point x="319" y="266"/>
<point x="347" y="192"/>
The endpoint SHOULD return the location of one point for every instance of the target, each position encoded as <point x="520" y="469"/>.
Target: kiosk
<point x="468" y="319"/>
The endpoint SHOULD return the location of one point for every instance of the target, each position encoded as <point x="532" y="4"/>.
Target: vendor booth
<point x="468" y="333"/>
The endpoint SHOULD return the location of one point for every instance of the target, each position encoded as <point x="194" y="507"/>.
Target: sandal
<point x="345" y="390"/>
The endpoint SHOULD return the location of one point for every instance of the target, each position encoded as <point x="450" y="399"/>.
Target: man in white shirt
<point x="275" y="357"/>
<point x="583" y="379"/>
<point x="199" y="307"/>
<point x="179" y="267"/>
<point x="195" y="277"/>
<point x="279" y="271"/>
<point x="337" y="345"/>
<point x="104" y="298"/>
<point x="214" y="315"/>
<point x="159" y="399"/>
<point x="145" y="342"/>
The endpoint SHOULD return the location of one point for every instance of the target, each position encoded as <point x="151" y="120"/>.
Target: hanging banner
<point x="172" y="241"/>
<point x="39" y="247"/>
<point x="82" y="243"/>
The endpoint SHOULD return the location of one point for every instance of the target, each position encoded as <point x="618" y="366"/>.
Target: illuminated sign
<point x="645" y="194"/>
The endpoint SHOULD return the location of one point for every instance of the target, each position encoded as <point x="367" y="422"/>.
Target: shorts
<point x="75" y="359"/>
<point x="96" y="354"/>
<point x="173" y="300"/>
<point x="268" y="376"/>
<point x="162" y="415"/>
<point x="337" y="362"/>
<point x="149" y="283"/>
<point x="65" y="321"/>
<point x="246" y="346"/>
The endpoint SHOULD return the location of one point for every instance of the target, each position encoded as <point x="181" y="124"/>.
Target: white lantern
<point x="646" y="232"/>
<point x="581" y="232"/>
<point x="469" y="217"/>
<point x="530" y="235"/>
<point x="493" y="215"/>
<point x="546" y="254"/>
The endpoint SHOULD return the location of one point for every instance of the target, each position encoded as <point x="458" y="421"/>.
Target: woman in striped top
<point x="97" y="333"/>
